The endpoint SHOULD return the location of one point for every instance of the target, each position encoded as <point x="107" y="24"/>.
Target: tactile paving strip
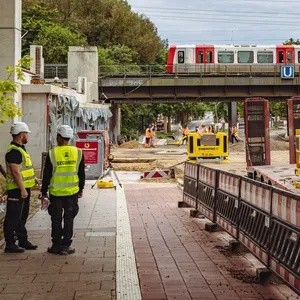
<point x="127" y="282"/>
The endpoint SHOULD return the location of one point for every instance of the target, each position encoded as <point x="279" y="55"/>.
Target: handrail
<point x="264" y="218"/>
<point x="184" y="70"/>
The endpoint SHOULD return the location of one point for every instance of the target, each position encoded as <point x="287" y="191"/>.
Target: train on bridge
<point x="201" y="58"/>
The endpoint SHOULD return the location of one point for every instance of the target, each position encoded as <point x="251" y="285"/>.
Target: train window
<point x="181" y="57"/>
<point x="245" y="57"/>
<point x="281" y="57"/>
<point x="209" y="56"/>
<point x="226" y="57"/>
<point x="265" y="57"/>
<point x="200" y="57"/>
<point x="299" y="57"/>
<point x="289" y="57"/>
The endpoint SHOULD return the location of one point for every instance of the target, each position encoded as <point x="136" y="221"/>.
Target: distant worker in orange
<point x="153" y="134"/>
<point x="203" y="128"/>
<point x="148" y="134"/>
<point x="211" y="128"/>
<point x="185" y="133"/>
<point x="234" y="134"/>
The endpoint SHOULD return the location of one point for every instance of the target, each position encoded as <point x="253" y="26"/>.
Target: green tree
<point x="8" y="87"/>
<point x="56" y="41"/>
<point x="291" y="41"/>
<point x="277" y="109"/>
<point x="44" y="29"/>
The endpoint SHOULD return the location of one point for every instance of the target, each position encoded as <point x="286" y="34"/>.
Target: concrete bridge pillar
<point x="10" y="54"/>
<point x="115" y="123"/>
<point x="232" y="116"/>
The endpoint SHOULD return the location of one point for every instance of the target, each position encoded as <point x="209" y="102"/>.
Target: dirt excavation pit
<point x="131" y="145"/>
<point x="141" y="166"/>
<point x="275" y="146"/>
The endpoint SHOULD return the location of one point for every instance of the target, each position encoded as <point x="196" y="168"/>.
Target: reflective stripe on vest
<point x="65" y="162"/>
<point x="26" y="170"/>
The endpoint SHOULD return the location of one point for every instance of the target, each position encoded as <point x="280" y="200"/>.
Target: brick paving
<point x="177" y="259"/>
<point x="87" y="274"/>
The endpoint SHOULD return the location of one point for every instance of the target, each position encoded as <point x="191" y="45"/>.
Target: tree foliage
<point x="103" y="23"/>
<point x="44" y="29"/>
<point x="292" y="41"/>
<point x="8" y="87"/>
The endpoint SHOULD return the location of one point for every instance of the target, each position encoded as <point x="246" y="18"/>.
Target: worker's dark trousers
<point x="63" y="208"/>
<point x="16" y="217"/>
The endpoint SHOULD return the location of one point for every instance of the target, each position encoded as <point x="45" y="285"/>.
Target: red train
<point x="195" y="58"/>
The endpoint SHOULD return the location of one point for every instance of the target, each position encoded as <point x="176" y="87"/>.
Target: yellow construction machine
<point x="208" y="147"/>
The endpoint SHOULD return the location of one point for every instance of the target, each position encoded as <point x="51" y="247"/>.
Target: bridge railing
<point x="264" y="218"/>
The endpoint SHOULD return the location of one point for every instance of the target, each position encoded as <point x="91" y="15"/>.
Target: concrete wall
<point x="35" y="115"/>
<point x="83" y="62"/>
<point x="10" y="54"/>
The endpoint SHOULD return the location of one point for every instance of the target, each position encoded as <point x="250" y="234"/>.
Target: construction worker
<point x="203" y="128"/>
<point x="211" y="128"/>
<point x="153" y="134"/>
<point x="20" y="179"/>
<point x="64" y="175"/>
<point x="185" y="133"/>
<point x="234" y="134"/>
<point x="148" y="134"/>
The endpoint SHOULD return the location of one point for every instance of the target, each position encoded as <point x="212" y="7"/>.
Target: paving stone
<point x="57" y="277"/>
<point x="59" y="295"/>
<point x="11" y="296"/>
<point x="16" y="279"/>
<point x="21" y="288"/>
<point x="77" y="286"/>
<point x="96" y="276"/>
<point x="93" y="295"/>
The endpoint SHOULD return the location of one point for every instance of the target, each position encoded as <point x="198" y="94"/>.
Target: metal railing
<point x="55" y="70"/>
<point x="61" y="70"/>
<point x="264" y="218"/>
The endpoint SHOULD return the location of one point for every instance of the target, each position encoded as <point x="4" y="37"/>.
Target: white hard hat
<point x="65" y="131"/>
<point x="19" y="127"/>
<point x="212" y="123"/>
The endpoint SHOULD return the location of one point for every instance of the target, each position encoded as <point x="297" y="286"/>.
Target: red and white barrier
<point x="254" y="248"/>
<point x="190" y="170"/>
<point x="207" y="175"/>
<point x="157" y="174"/>
<point x="284" y="273"/>
<point x="256" y="195"/>
<point x="229" y="184"/>
<point x="286" y="208"/>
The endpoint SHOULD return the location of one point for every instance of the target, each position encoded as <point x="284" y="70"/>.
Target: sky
<point x="262" y="22"/>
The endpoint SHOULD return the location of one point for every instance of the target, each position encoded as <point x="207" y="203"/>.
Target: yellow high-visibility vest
<point x="65" y="161"/>
<point x="26" y="170"/>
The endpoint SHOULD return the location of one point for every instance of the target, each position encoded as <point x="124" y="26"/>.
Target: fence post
<point x="270" y="229"/>
<point x="239" y="210"/>
<point x="197" y="187"/>
<point x="215" y="197"/>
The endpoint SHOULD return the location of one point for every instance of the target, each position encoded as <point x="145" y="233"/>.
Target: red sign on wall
<point x="90" y="151"/>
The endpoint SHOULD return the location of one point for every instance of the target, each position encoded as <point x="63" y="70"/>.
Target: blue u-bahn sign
<point x="287" y="72"/>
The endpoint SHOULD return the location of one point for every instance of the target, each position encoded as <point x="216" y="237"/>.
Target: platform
<point x="131" y="244"/>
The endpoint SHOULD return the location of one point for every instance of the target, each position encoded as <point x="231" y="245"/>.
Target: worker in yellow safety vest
<point x="20" y="179"/>
<point x="64" y="175"/>
<point x="234" y="134"/>
<point x="148" y="136"/>
<point x="203" y="128"/>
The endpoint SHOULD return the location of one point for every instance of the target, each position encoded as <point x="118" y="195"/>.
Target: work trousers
<point x="63" y="208"/>
<point x="17" y="212"/>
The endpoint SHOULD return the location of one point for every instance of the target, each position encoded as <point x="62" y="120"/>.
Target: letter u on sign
<point x="287" y="72"/>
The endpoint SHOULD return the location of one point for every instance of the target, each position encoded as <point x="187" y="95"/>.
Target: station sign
<point x="287" y="72"/>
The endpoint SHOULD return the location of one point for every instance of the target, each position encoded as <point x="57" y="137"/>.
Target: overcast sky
<point x="262" y="22"/>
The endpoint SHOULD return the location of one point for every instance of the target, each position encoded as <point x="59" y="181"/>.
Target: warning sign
<point x="90" y="151"/>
